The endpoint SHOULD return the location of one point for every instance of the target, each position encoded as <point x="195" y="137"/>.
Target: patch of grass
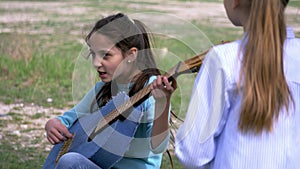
<point x="17" y="108"/>
<point x="294" y="3"/>
<point x="41" y="75"/>
<point x="42" y="78"/>
<point x="38" y="115"/>
<point x="26" y="122"/>
<point x="166" y="163"/>
<point x="29" y="130"/>
<point x="16" y="156"/>
<point x="217" y="34"/>
<point x="3" y="123"/>
<point x="57" y="113"/>
<point x="200" y="0"/>
<point x="12" y="114"/>
<point x="36" y="141"/>
<point x="15" y="116"/>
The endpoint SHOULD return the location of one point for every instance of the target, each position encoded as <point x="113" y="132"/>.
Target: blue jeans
<point x="74" y="160"/>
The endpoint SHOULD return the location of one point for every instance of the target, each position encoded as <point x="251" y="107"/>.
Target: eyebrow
<point x="100" y="51"/>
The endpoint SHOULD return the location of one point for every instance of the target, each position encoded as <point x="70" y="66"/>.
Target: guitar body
<point x="109" y="146"/>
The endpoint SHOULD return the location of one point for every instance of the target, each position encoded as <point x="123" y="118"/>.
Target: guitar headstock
<point x="191" y="65"/>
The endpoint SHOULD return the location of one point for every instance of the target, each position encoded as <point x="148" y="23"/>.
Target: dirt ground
<point x="18" y="12"/>
<point x="29" y="124"/>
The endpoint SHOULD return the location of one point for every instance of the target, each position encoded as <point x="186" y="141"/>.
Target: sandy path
<point x="211" y="13"/>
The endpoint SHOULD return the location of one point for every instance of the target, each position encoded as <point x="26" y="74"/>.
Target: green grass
<point x="15" y="156"/>
<point x="201" y="0"/>
<point x="32" y="76"/>
<point x="166" y="163"/>
<point x="294" y="3"/>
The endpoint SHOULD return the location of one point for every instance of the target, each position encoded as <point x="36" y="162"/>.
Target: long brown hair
<point x="126" y="33"/>
<point x="265" y="89"/>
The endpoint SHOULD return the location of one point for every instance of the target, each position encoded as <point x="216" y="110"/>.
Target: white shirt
<point x="210" y="136"/>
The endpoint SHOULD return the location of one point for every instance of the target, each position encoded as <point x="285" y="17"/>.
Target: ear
<point x="131" y="54"/>
<point x="236" y="3"/>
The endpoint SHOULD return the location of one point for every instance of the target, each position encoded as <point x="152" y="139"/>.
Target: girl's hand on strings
<point x="162" y="88"/>
<point x="56" y="131"/>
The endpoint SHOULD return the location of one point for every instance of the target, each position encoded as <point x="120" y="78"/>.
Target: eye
<point x="92" y="54"/>
<point x="100" y="54"/>
<point x="105" y="55"/>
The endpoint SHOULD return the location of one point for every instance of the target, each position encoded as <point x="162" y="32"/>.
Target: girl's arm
<point x="161" y="91"/>
<point x="57" y="128"/>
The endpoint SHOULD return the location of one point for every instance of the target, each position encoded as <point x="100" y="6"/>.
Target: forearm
<point x="160" y="128"/>
<point x="162" y="90"/>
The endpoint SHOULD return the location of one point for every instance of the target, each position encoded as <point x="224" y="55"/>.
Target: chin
<point x="105" y="80"/>
<point x="238" y="24"/>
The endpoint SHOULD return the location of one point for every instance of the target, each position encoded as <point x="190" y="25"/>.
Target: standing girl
<point x="245" y="108"/>
<point x="121" y="54"/>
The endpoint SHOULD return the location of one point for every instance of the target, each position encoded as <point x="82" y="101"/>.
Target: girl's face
<point x="232" y="12"/>
<point x="238" y="11"/>
<point x="228" y="4"/>
<point x="108" y="60"/>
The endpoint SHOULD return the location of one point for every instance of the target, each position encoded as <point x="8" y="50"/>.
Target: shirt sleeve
<point x="83" y="107"/>
<point x="196" y="138"/>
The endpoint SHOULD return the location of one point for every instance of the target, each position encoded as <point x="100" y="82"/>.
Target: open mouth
<point x="102" y="74"/>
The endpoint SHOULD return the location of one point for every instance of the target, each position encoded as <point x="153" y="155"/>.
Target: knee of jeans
<point x="69" y="160"/>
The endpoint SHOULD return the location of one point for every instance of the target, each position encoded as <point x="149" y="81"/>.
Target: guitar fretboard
<point x="122" y="108"/>
<point x="189" y="66"/>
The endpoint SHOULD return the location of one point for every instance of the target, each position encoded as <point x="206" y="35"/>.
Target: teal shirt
<point x="140" y="153"/>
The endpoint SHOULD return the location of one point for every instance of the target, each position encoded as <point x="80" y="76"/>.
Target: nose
<point x="97" y="62"/>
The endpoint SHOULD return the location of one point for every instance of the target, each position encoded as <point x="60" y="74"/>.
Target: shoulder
<point x="94" y="90"/>
<point x="225" y="57"/>
<point x="99" y="85"/>
<point x="227" y="50"/>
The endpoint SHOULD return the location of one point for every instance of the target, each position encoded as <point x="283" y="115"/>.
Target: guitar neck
<point x="137" y="97"/>
<point x="189" y="66"/>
